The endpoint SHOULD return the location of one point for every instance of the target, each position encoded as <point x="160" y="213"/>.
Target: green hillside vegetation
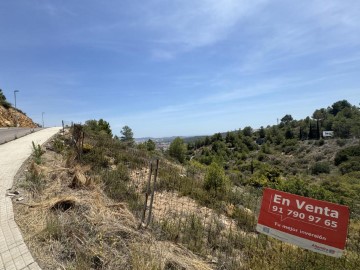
<point x="293" y="156"/>
<point x="208" y="194"/>
<point x="3" y="101"/>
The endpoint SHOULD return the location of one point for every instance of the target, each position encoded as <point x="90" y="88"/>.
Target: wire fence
<point x="177" y="208"/>
<point x="225" y="233"/>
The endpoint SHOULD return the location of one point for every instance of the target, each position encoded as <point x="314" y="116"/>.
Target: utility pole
<point x="16" y="116"/>
<point x="42" y="117"/>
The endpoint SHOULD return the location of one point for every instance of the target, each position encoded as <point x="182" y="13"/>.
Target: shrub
<point x="53" y="229"/>
<point x="117" y="187"/>
<point x="34" y="182"/>
<point x="96" y="156"/>
<point x="3" y="101"/>
<point x="215" y="179"/>
<point x="38" y="152"/>
<point x="177" y="149"/>
<point x="58" y="145"/>
<point x="320" y="142"/>
<point x="320" y="167"/>
<point x="346" y="153"/>
<point x="258" y="180"/>
<point x="193" y="232"/>
<point x="245" y="220"/>
<point x="351" y="165"/>
<point x="186" y="229"/>
<point x="340" y="142"/>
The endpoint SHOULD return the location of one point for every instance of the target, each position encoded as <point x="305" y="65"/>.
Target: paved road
<point x="9" y="134"/>
<point x="14" y="255"/>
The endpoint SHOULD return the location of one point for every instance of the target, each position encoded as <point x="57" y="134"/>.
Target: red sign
<point x="312" y="224"/>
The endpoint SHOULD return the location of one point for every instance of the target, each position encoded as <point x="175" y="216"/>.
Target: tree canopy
<point x="100" y="126"/>
<point x="127" y="135"/>
<point x="177" y="149"/>
<point x="215" y="179"/>
<point x="3" y="101"/>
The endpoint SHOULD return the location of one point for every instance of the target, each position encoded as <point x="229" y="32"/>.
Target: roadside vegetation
<point x="3" y="101"/>
<point x="87" y="213"/>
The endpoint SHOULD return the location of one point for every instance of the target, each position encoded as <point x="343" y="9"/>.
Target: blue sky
<point x="179" y="67"/>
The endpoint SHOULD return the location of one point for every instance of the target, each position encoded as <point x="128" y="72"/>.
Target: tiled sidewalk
<point x="14" y="253"/>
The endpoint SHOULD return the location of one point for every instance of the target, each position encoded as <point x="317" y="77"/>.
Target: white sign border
<point x="300" y="242"/>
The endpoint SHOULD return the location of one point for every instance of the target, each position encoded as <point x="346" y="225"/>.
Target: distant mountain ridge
<point x="169" y="139"/>
<point x="162" y="139"/>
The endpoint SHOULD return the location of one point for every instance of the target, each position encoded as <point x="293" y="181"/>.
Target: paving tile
<point x="28" y="258"/>
<point x="23" y="248"/>
<point x="20" y="263"/>
<point x="6" y="256"/>
<point x="2" y="266"/>
<point x="14" y="253"/>
<point x="10" y="265"/>
<point x="34" y="266"/>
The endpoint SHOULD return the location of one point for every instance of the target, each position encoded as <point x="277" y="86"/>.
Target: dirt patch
<point x="79" y="227"/>
<point x="171" y="204"/>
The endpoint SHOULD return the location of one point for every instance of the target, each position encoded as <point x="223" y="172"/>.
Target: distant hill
<point x="159" y="140"/>
<point x="317" y="149"/>
<point x="186" y="139"/>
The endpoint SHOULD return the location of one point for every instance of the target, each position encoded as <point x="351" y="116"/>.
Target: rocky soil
<point x="9" y="117"/>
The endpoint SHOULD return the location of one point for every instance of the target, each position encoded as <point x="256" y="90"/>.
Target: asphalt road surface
<point x="10" y="134"/>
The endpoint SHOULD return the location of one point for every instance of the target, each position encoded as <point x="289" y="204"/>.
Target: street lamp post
<point x="42" y="116"/>
<point x="16" y="117"/>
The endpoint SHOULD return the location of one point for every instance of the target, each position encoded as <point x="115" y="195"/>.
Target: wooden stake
<point x="153" y="193"/>
<point x="147" y="193"/>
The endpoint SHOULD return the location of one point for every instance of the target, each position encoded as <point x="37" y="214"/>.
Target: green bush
<point x="96" y="157"/>
<point x="320" y="167"/>
<point x="244" y="219"/>
<point x="3" y="101"/>
<point x="215" y="179"/>
<point x="185" y="229"/>
<point x="352" y="165"/>
<point x="38" y="152"/>
<point x="58" y="145"/>
<point x="118" y="187"/>
<point x="346" y="153"/>
<point x="193" y="232"/>
<point x="178" y="149"/>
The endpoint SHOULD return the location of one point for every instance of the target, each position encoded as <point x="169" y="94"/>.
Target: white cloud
<point x="187" y="25"/>
<point x="287" y="32"/>
<point x="162" y="55"/>
<point x="54" y="9"/>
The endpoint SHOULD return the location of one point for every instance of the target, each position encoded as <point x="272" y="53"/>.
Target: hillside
<point x="82" y="203"/>
<point x="293" y="155"/>
<point x="11" y="117"/>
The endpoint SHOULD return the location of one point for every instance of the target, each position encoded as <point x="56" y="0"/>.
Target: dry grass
<point x="170" y="203"/>
<point x="164" y="255"/>
<point x="81" y="228"/>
